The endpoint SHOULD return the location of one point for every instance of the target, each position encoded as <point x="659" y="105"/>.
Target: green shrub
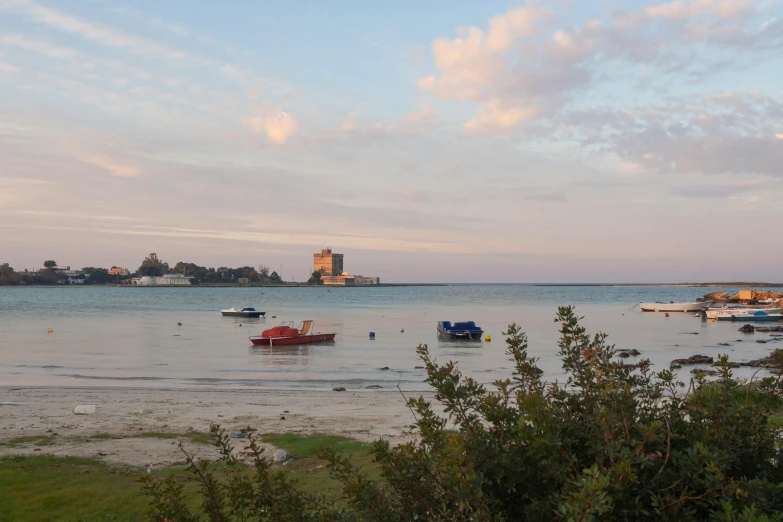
<point x="612" y="442"/>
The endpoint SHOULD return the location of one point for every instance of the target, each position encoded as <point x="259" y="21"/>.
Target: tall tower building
<point x="328" y="263"/>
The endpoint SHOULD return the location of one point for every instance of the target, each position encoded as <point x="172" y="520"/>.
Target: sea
<point x="177" y="338"/>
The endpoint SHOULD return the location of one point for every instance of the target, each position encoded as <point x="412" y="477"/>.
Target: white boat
<point x="244" y="312"/>
<point x="751" y="315"/>
<point x="717" y="313"/>
<point x="674" y="307"/>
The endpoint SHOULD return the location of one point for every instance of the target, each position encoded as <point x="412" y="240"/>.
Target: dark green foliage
<point x="315" y="278"/>
<point x="153" y="266"/>
<point x="46" y="276"/>
<point x="612" y="442"/>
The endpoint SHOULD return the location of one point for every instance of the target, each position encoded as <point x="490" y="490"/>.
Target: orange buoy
<point x="666" y="314"/>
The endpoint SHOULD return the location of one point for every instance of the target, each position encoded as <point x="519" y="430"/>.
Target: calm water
<point x="129" y="336"/>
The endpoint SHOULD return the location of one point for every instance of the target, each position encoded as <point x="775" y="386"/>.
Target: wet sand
<point x="122" y="413"/>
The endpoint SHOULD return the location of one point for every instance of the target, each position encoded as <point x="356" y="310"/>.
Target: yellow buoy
<point x="49" y="330"/>
<point x="487" y="338"/>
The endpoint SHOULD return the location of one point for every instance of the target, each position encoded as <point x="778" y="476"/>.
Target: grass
<point x="306" y="445"/>
<point x="310" y="471"/>
<point x="36" y="440"/>
<point x="42" y="488"/>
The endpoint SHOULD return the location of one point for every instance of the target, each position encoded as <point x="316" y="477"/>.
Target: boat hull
<point x="716" y="314"/>
<point x="466" y="336"/>
<point x="243" y="314"/>
<point x="285" y="341"/>
<point x="754" y="318"/>
<point x="673" y="307"/>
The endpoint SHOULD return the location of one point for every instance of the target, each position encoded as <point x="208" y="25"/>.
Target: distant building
<point x="117" y="271"/>
<point x="340" y="280"/>
<point x="345" y="279"/>
<point x="165" y="280"/>
<point x="76" y="277"/>
<point x="327" y="263"/>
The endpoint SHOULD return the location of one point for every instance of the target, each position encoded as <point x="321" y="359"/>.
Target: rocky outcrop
<point x="748" y="328"/>
<point x="774" y="360"/>
<point x="717" y="296"/>
<point x="693" y="359"/>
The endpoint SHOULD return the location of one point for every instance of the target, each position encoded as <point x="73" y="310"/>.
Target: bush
<point x="613" y="442"/>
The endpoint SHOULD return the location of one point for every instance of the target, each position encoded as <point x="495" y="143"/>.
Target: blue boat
<point x="459" y="330"/>
<point x="751" y="315"/>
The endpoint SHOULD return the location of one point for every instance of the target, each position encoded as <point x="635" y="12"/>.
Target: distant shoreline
<point x="671" y="285"/>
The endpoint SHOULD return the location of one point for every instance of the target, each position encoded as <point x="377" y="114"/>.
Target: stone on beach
<point x="84" y="409"/>
<point x="693" y="359"/>
<point x="338" y="389"/>
<point x="280" y="456"/>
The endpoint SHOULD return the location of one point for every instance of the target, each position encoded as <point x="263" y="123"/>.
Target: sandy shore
<point x="123" y="413"/>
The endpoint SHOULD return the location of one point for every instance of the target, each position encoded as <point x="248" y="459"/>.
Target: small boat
<point x="459" y="330"/>
<point x="286" y="334"/>
<point x="715" y="313"/>
<point x="671" y="306"/>
<point x="244" y="312"/>
<point x="751" y="315"/>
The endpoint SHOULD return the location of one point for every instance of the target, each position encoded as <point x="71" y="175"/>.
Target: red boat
<point x="287" y="334"/>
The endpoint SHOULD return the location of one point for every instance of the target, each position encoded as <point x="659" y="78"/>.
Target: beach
<point x="124" y="413"/>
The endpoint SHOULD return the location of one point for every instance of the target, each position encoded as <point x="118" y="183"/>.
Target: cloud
<point x="6" y="67"/>
<point x="717" y="191"/>
<point x="91" y="31"/>
<point x="493" y="117"/>
<point x="524" y="68"/>
<point x="683" y="10"/>
<point x="349" y="123"/>
<point x="112" y="166"/>
<point x="47" y="49"/>
<point x="278" y="126"/>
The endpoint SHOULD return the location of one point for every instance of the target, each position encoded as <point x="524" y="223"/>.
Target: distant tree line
<point x="153" y="266"/>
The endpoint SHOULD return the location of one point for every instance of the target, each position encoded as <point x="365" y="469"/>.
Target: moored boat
<point x="674" y="307"/>
<point x="717" y="313"/>
<point x="242" y="312"/>
<point x="286" y="334"/>
<point x="751" y="315"/>
<point x="459" y="330"/>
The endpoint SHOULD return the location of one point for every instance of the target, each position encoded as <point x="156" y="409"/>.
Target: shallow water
<point x="109" y="336"/>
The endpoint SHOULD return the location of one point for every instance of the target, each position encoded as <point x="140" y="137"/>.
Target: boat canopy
<point x="463" y="326"/>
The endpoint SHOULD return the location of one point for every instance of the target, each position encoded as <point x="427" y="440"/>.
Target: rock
<point x="690" y="333"/>
<point x="694" y="359"/>
<point x="338" y="389"/>
<point x="384" y="368"/>
<point x="724" y="344"/>
<point x="85" y="409"/>
<point x="675" y="366"/>
<point x="761" y="341"/>
<point x="699" y="371"/>
<point x="748" y="328"/>
<point x="282" y="417"/>
<point x="769" y="329"/>
<point x="373" y="387"/>
<point x="418" y="367"/>
<point x="538" y="371"/>
<point x="623" y="355"/>
<point x="238" y="434"/>
<point x="635" y="352"/>
<point x="774" y="360"/>
<point x="730" y="364"/>
<point x="717" y="296"/>
<point x="286" y="411"/>
<point x="279" y="456"/>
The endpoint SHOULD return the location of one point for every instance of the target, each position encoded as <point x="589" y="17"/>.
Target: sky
<point x="439" y="141"/>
